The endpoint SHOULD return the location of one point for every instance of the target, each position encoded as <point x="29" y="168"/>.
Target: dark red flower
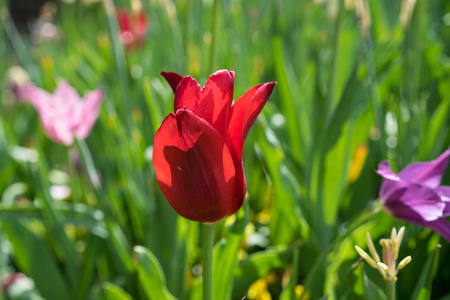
<point x="198" y="149"/>
<point x="133" y="27"/>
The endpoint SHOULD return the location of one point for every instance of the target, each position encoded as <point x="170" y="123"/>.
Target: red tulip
<point x="133" y="27"/>
<point x="198" y="149"/>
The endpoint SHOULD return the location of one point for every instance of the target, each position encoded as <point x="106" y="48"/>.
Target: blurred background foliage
<point x="358" y="82"/>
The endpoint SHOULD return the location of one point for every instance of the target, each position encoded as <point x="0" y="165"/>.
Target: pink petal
<point x="245" y="111"/>
<point x="38" y="97"/>
<point x="194" y="167"/>
<point x="173" y="79"/>
<point x="426" y="173"/>
<point x="57" y="128"/>
<point x="90" y="108"/>
<point x="64" y="92"/>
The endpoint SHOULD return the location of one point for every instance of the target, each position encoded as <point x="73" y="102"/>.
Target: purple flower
<point x="63" y="114"/>
<point x="414" y="194"/>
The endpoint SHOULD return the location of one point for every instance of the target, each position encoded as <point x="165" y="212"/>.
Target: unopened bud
<point x="404" y="262"/>
<point x="372" y="248"/>
<point x="366" y="257"/>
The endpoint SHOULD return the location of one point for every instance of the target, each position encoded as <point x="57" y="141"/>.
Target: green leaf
<point x="289" y="290"/>
<point x="288" y="89"/>
<point x="110" y="291"/>
<point x="153" y="108"/>
<point x="225" y="255"/>
<point x="287" y="222"/>
<point x="258" y="265"/>
<point x="370" y="290"/>
<point x="151" y="276"/>
<point x="424" y="284"/>
<point x="34" y="258"/>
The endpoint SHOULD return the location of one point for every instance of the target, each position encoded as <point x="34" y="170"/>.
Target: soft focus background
<point x="358" y="82"/>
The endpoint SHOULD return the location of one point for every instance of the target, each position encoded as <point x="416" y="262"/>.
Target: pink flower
<point x="63" y="114"/>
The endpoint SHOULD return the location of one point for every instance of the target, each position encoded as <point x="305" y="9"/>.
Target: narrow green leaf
<point x="225" y="255"/>
<point x="288" y="292"/>
<point x="34" y="258"/>
<point x="424" y="284"/>
<point x="257" y="266"/>
<point x="110" y="291"/>
<point x="151" y="276"/>
<point x="153" y="108"/>
<point x="298" y="124"/>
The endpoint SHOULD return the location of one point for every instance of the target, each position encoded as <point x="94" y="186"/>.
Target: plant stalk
<point x="390" y="290"/>
<point x="208" y="243"/>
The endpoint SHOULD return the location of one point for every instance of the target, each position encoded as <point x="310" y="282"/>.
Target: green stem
<point x="215" y="33"/>
<point x="208" y="242"/>
<point x="121" y="62"/>
<point x="390" y="290"/>
<point x="373" y="88"/>
<point x="331" y="98"/>
<point x="88" y="163"/>
<point x="75" y="180"/>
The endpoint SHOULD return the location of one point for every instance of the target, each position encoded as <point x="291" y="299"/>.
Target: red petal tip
<point x="172" y="78"/>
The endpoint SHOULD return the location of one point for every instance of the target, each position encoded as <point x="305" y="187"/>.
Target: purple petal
<point x="385" y="171"/>
<point x="444" y="193"/>
<point x="391" y="182"/>
<point x="426" y="173"/>
<point x="415" y="204"/>
<point x="424" y="201"/>
<point x="440" y="226"/>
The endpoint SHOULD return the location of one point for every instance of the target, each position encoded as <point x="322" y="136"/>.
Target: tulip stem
<point x="390" y="290"/>
<point x="88" y="163"/>
<point x="208" y="243"/>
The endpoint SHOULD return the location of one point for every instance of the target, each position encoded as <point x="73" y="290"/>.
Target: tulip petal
<point x="194" y="167"/>
<point x="240" y="184"/>
<point x="391" y="183"/>
<point x="89" y="112"/>
<point x="404" y="212"/>
<point x="426" y="173"/>
<point x="39" y="97"/>
<point x="64" y="92"/>
<point x="187" y="94"/>
<point x="245" y="111"/>
<point x="173" y="79"/>
<point x="123" y="19"/>
<point x="444" y="192"/>
<point x="215" y="100"/>
<point x="440" y="226"/>
<point x="426" y="204"/>
<point x="57" y="128"/>
<point x="385" y="171"/>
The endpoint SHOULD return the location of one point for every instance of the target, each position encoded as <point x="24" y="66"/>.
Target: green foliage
<point x="347" y="98"/>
